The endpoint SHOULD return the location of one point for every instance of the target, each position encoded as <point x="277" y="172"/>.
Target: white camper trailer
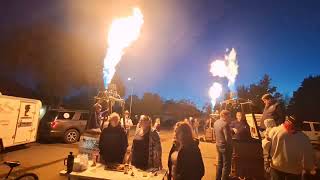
<point x="19" y="119"/>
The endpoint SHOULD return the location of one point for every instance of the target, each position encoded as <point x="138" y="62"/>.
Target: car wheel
<point x="71" y="136"/>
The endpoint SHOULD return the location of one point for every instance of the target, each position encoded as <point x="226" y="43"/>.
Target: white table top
<point x="98" y="172"/>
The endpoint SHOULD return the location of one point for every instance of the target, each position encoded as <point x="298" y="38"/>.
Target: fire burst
<point x="227" y="68"/>
<point x="214" y="92"/>
<point x="123" y="32"/>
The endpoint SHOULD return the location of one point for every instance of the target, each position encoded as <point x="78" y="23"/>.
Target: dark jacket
<point x="275" y="111"/>
<point x="113" y="144"/>
<point x="243" y="131"/>
<point x="94" y="121"/>
<point x="189" y="163"/>
<point x="154" y="150"/>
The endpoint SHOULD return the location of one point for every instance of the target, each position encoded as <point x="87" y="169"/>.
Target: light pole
<point x="129" y="79"/>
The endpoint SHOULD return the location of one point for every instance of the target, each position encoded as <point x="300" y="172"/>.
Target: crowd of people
<point x="146" y="150"/>
<point x="287" y="151"/>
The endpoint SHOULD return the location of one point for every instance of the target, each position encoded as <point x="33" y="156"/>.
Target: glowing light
<point x="226" y="68"/>
<point x="219" y="68"/>
<point x="122" y="33"/>
<point x="214" y="92"/>
<point x="232" y="67"/>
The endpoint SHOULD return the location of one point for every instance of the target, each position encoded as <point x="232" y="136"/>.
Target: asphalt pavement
<point x="46" y="159"/>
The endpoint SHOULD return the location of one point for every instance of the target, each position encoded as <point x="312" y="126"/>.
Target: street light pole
<point x="131" y="100"/>
<point x="129" y="79"/>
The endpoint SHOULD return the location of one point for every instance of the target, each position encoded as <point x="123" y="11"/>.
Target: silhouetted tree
<point x="181" y="109"/>
<point x="207" y="109"/>
<point x="254" y="92"/>
<point x="305" y="101"/>
<point x="152" y="104"/>
<point x="136" y="108"/>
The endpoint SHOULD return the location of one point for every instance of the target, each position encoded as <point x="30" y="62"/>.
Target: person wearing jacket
<point x="291" y="151"/>
<point x="222" y="133"/>
<point x="185" y="159"/>
<point x="95" y="119"/>
<point x="146" y="147"/>
<point x="113" y="141"/>
<point x="272" y="110"/>
<point x="240" y="127"/>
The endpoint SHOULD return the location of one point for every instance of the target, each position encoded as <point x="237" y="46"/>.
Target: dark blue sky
<point x="181" y="38"/>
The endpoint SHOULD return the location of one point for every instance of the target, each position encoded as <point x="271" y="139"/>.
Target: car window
<point x="306" y="127"/>
<point x="66" y="115"/>
<point x="84" y="116"/>
<point x="316" y="127"/>
<point x="50" y="116"/>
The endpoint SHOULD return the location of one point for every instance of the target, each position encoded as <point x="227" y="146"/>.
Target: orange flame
<point x="123" y="32"/>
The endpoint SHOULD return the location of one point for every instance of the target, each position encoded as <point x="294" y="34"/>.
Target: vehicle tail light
<point x="53" y="124"/>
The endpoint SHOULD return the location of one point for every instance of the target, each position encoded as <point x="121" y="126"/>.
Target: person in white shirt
<point x="126" y="122"/>
<point x="291" y="151"/>
<point x="266" y="144"/>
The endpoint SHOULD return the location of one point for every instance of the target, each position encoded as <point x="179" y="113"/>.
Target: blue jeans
<point x="224" y="162"/>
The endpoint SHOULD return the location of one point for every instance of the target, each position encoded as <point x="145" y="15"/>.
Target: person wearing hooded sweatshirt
<point x="113" y="141"/>
<point x="291" y="151"/>
<point x="185" y="159"/>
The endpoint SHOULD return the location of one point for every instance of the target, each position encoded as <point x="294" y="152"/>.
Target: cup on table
<point x="126" y="168"/>
<point x="144" y="174"/>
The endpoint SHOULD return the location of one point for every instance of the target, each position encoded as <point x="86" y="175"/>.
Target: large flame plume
<point x="123" y="32"/>
<point x="227" y="68"/>
<point x="214" y="92"/>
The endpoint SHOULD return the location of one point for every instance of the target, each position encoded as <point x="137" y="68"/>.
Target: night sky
<point x="181" y="38"/>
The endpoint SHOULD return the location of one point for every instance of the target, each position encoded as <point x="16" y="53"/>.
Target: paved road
<point x="46" y="160"/>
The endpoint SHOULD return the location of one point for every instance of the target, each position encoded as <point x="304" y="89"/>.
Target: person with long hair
<point x="240" y="127"/>
<point x="185" y="159"/>
<point x="146" y="146"/>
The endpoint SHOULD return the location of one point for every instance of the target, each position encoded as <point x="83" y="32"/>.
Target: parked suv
<point x="66" y="124"/>
<point x="312" y="130"/>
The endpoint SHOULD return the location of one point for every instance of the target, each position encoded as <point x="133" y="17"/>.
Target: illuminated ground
<point x="46" y="160"/>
